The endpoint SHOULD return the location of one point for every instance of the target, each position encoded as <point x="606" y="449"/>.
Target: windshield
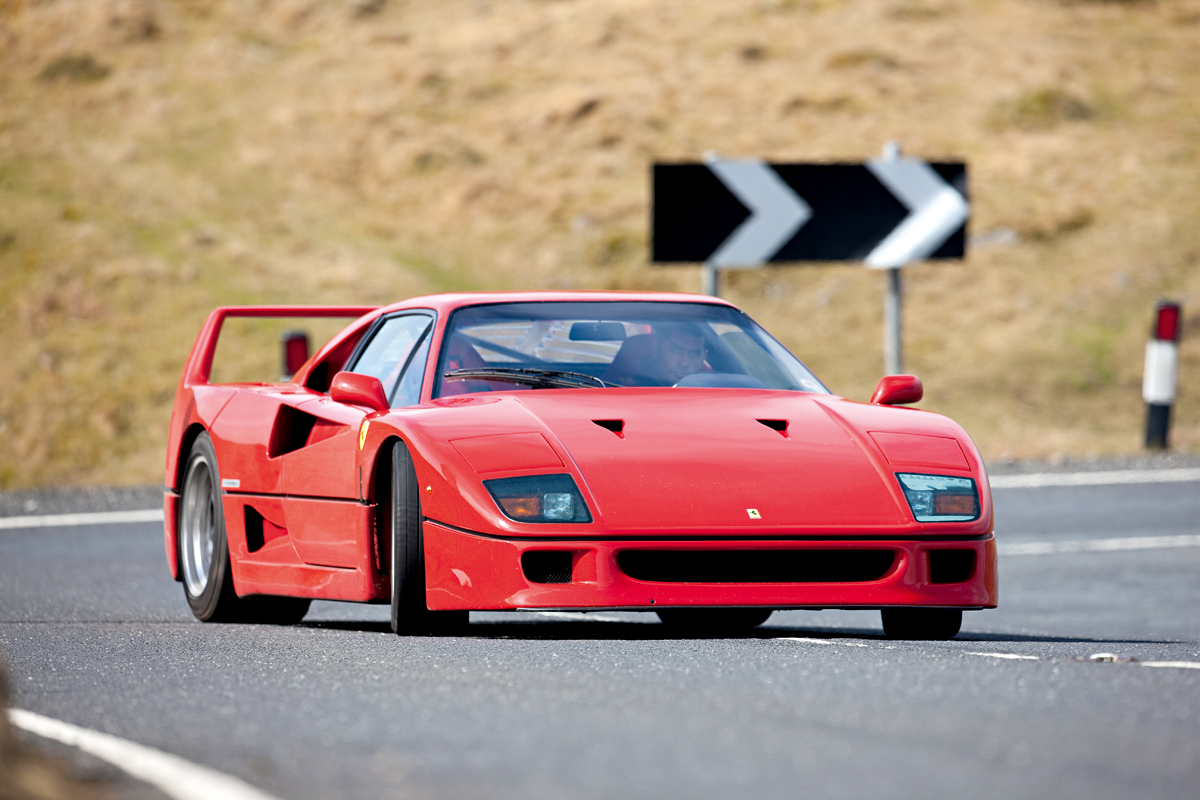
<point x="494" y="348"/>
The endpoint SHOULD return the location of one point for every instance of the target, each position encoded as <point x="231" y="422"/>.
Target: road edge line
<point x="1007" y="656"/>
<point x="1172" y="664"/>
<point x="95" y="518"/>
<point x="173" y="776"/>
<point x="1042" y="480"/>
<point x="1112" y="545"/>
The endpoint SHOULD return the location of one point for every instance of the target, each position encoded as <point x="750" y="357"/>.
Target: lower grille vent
<point x="547" y="566"/>
<point x="756" y="566"/>
<point x="951" y="566"/>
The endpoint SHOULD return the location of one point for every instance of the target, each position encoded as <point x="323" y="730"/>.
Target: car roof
<point x="449" y="302"/>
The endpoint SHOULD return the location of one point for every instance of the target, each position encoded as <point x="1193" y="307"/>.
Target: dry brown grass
<point x="322" y="151"/>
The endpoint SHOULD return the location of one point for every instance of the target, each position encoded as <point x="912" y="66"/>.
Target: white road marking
<point x="1098" y="545"/>
<point x="97" y="518"/>
<point x="171" y="775"/>
<point x="1173" y="664"/>
<point x="1012" y="656"/>
<point x="1045" y="479"/>
<point x="817" y="641"/>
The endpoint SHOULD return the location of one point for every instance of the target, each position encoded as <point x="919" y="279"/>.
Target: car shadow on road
<point x="559" y="630"/>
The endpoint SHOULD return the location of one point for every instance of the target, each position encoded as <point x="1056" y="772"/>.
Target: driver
<point x="681" y="352"/>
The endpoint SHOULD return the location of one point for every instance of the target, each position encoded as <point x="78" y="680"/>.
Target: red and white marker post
<point x="1158" y="381"/>
<point x="295" y="352"/>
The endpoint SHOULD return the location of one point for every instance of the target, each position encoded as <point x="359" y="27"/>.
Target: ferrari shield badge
<point x="753" y="512"/>
<point x="362" y="434"/>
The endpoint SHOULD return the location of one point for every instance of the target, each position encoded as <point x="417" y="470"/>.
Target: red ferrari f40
<point x="580" y="451"/>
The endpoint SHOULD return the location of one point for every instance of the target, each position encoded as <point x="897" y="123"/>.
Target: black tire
<point x="410" y="614"/>
<point x="714" y="620"/>
<point x="922" y="624"/>
<point x="203" y="551"/>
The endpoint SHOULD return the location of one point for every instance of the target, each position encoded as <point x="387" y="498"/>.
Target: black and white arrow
<point x="747" y="213"/>
<point x="776" y="213"/>
<point x="936" y="210"/>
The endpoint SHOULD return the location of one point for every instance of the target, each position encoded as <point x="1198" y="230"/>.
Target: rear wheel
<point x="204" y="551"/>
<point x="409" y="611"/>
<point x="921" y="623"/>
<point x="716" y="620"/>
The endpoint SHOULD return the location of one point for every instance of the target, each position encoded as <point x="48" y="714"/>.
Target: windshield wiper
<point x="537" y="378"/>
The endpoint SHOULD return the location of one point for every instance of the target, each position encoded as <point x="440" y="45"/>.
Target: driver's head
<point x="681" y="350"/>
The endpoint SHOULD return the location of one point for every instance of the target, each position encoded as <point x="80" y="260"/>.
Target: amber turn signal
<point x="954" y="504"/>
<point x="521" y="507"/>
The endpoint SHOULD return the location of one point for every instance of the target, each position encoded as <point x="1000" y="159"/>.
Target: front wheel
<point x="410" y="614"/>
<point x="715" y="620"/>
<point x="204" y="551"/>
<point x="921" y="623"/>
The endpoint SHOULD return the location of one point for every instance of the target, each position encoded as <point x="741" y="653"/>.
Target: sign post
<point x="893" y="304"/>
<point x="737" y="214"/>
<point x="710" y="279"/>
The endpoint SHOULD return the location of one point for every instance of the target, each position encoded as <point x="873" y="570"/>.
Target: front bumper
<point x="464" y="570"/>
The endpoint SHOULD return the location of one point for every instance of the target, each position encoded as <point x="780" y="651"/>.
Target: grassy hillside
<point x="159" y="158"/>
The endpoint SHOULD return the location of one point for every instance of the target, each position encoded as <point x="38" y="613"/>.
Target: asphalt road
<point x="533" y="706"/>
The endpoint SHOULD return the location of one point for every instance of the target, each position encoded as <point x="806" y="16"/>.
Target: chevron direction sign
<point x="746" y="213"/>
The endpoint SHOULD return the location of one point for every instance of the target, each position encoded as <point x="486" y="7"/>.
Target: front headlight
<point x="539" y="498"/>
<point x="940" y="498"/>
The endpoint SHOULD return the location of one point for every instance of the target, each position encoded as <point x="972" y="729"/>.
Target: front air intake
<point x="756" y="566"/>
<point x="254" y="530"/>
<point x="951" y="566"/>
<point x="547" y="566"/>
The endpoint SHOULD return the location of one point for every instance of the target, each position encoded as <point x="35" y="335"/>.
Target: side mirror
<point x="354" y="389"/>
<point x="896" y="390"/>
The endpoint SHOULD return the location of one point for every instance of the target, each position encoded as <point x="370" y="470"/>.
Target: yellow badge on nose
<point x="362" y="434"/>
<point x="753" y="512"/>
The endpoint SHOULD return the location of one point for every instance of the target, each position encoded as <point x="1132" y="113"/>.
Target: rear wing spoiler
<point x="199" y="364"/>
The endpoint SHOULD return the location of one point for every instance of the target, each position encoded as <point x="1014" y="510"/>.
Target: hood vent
<point x="780" y="426"/>
<point x="617" y="426"/>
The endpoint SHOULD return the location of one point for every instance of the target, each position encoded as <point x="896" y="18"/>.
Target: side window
<point x="399" y="342"/>
<point x="408" y="392"/>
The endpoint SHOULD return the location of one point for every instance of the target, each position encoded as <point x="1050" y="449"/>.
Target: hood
<point x="703" y="459"/>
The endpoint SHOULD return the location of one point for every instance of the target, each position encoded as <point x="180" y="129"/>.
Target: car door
<point x="322" y="489"/>
<point x="251" y="431"/>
